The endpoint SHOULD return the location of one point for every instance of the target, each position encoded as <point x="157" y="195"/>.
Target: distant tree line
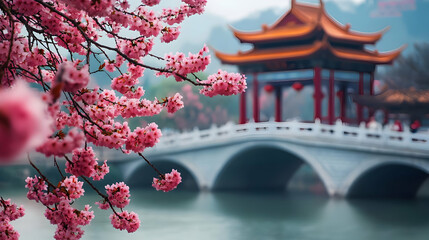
<point x="411" y="70"/>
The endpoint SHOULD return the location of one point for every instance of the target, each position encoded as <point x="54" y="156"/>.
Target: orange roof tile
<point x="367" y="56"/>
<point x="261" y="55"/>
<point x="305" y="51"/>
<point x="301" y="21"/>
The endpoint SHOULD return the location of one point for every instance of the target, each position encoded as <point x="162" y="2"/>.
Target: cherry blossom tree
<point x="57" y="45"/>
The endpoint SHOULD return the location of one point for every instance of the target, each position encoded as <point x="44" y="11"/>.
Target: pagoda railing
<point x="339" y="134"/>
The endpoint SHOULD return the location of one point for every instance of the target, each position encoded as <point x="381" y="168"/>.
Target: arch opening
<point x="263" y="168"/>
<point x="388" y="181"/>
<point x="142" y="176"/>
<point x="306" y="180"/>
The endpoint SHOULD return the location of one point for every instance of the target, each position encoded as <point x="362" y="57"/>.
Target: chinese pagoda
<point x="411" y="102"/>
<point x="307" y="38"/>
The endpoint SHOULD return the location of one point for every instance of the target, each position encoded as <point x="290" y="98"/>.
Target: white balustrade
<point x="374" y="137"/>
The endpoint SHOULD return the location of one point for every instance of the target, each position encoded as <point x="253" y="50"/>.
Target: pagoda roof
<point x="306" y="51"/>
<point x="397" y="100"/>
<point x="304" y="20"/>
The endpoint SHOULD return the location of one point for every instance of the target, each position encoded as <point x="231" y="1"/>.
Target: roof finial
<point x="293" y="2"/>
<point x="264" y="27"/>
<point x="322" y="5"/>
<point x="347" y="27"/>
<point x="319" y="16"/>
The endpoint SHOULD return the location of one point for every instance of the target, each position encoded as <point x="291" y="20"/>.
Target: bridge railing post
<point x="294" y="127"/>
<point x="317" y="127"/>
<point x="362" y="132"/>
<point x="338" y="129"/>
<point x="407" y="137"/>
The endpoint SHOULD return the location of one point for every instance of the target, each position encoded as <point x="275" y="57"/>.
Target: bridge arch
<point x="143" y="174"/>
<point x="269" y="167"/>
<point x="392" y="179"/>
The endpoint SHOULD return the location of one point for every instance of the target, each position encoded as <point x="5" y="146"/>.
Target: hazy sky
<point x="237" y="9"/>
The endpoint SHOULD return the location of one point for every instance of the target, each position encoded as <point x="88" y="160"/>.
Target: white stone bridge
<point x="350" y="161"/>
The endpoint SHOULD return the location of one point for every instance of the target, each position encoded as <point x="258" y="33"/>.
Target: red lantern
<point x="269" y="88"/>
<point x="297" y="86"/>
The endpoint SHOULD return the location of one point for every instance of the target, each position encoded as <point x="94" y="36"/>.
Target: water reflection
<point x="147" y="198"/>
<point x="270" y="205"/>
<point x="395" y="213"/>
<point x="244" y="216"/>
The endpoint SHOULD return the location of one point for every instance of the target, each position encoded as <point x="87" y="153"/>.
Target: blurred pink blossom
<point x="24" y="121"/>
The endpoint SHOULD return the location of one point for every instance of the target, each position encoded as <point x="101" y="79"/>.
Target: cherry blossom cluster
<point x="72" y="78"/>
<point x="224" y="83"/>
<point x="69" y="220"/>
<point x="62" y="144"/>
<point x="125" y="84"/>
<point x="25" y="121"/>
<point x="27" y="7"/>
<point x="58" y="200"/>
<point x="168" y="182"/>
<point x="125" y="221"/>
<point x="93" y="8"/>
<point x="9" y="212"/>
<point x="113" y="135"/>
<point x="84" y="163"/>
<point x="177" y="15"/>
<point x="148" y="24"/>
<point x="118" y="195"/>
<point x="137" y="48"/>
<point x="151" y="2"/>
<point x="142" y="138"/>
<point x="170" y="34"/>
<point x="174" y="103"/>
<point x="180" y="65"/>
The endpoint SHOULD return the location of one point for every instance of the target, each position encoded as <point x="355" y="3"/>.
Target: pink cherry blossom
<point x="9" y="212"/>
<point x="24" y="121"/>
<point x="180" y="65"/>
<point x="170" y="34"/>
<point x="168" y="182"/>
<point x="174" y="103"/>
<point x="72" y="77"/>
<point x="151" y="2"/>
<point x="142" y="138"/>
<point x="93" y="8"/>
<point x="84" y="163"/>
<point x="125" y="221"/>
<point x="224" y="83"/>
<point x="118" y="194"/>
<point x="60" y="145"/>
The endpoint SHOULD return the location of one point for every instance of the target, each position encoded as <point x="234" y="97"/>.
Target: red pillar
<point x="371" y="92"/>
<point x="331" y="100"/>
<point x="278" y="110"/>
<point x="371" y="84"/>
<point x="359" y="108"/>
<point x="243" y="106"/>
<point x="386" y="117"/>
<point x="343" y="103"/>
<point x="317" y="93"/>
<point x="255" y="98"/>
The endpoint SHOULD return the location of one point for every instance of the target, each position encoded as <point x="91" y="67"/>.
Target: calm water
<point x="206" y="216"/>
